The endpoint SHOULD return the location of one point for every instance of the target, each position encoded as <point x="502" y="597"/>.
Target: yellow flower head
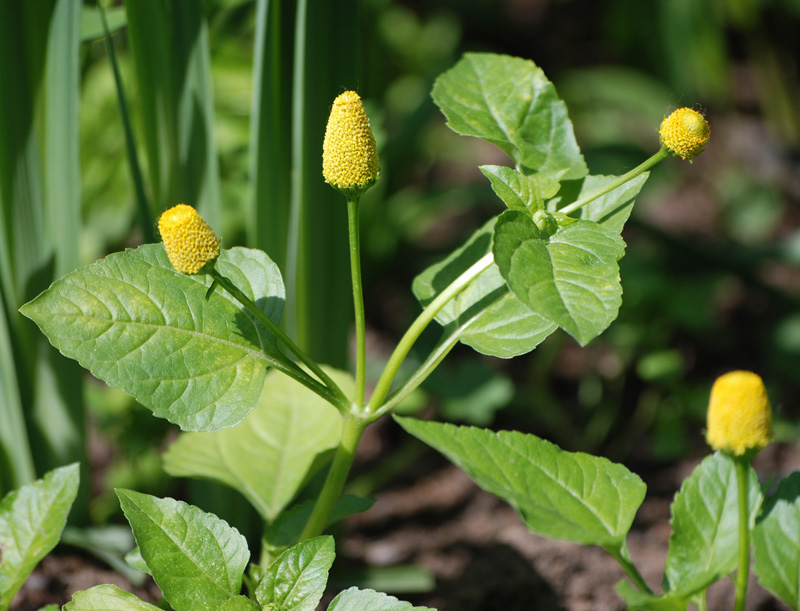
<point x="684" y="133"/>
<point x="739" y="414"/>
<point x="349" y="154"/>
<point x="189" y="241"/>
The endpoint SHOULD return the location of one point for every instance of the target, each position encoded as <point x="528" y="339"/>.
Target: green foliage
<point x="271" y="453"/>
<point x="485" y="315"/>
<point x="107" y="598"/>
<point x="369" y="600"/>
<point x="509" y="102"/>
<point x="776" y="542"/>
<point x="705" y="522"/>
<point x="563" y="495"/>
<point x="196" y="559"/>
<point x="31" y="521"/>
<point x="130" y="319"/>
<point x="296" y="580"/>
<point x="570" y="277"/>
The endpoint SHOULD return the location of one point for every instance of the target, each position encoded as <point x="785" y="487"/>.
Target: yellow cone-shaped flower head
<point x="349" y="154"/>
<point x="189" y="241"/>
<point x="684" y="133"/>
<point x="739" y="414"/>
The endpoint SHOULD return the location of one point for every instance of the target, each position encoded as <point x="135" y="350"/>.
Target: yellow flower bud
<point x="189" y="241"/>
<point x="684" y="133"/>
<point x="739" y="414"/>
<point x="349" y="154"/>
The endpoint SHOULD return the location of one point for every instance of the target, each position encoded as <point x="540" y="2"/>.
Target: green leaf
<point x="611" y="210"/>
<point x="195" y="558"/>
<point x="31" y="520"/>
<point x="287" y="528"/>
<point x="562" y="495"/>
<point x="354" y="599"/>
<point x="270" y="454"/>
<point x="705" y="523"/>
<point x="520" y="192"/>
<point x="636" y="600"/>
<point x="485" y="315"/>
<point x="239" y="603"/>
<point x="139" y="325"/>
<point x="776" y="542"/>
<point x="509" y="102"/>
<point x="296" y="580"/>
<point x="570" y="277"/>
<point x="107" y="598"/>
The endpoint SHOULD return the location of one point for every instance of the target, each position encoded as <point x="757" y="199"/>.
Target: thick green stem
<point x="358" y="298"/>
<point x="418" y="326"/>
<point x="622" y="557"/>
<point x="338" y="398"/>
<point x="743" y="574"/>
<point x="352" y="429"/>
<point x="643" y="167"/>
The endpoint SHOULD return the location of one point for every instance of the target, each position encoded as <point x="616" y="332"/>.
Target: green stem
<point x="358" y="298"/>
<point x="743" y="574"/>
<point x="339" y="398"/>
<point x="418" y="326"/>
<point x="352" y="429"/>
<point x="624" y="560"/>
<point x="435" y="357"/>
<point x="643" y="167"/>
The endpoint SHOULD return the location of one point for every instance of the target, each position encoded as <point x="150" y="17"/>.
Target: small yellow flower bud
<point x="349" y="154"/>
<point x="189" y="241"/>
<point x="739" y="414"/>
<point x="684" y="133"/>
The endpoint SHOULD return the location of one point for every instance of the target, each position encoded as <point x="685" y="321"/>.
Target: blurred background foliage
<point x="712" y="272"/>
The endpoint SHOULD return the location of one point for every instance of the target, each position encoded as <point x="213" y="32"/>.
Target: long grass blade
<point x="169" y="40"/>
<point x="326" y="63"/>
<point x="146" y="222"/>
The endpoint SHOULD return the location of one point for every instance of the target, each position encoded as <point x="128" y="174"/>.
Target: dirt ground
<point x="481" y="555"/>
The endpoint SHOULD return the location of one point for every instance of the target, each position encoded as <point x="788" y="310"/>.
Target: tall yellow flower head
<point x="739" y="414"/>
<point x="189" y="241"/>
<point x="349" y="154"/>
<point x="684" y="133"/>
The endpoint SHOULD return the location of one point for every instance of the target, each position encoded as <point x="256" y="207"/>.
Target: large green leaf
<point x="611" y="210"/>
<point x="31" y="521"/>
<point x="107" y="598"/>
<point x="354" y="599"/>
<point x="197" y="559"/>
<point x="570" y="277"/>
<point x="485" y="314"/>
<point x="296" y="580"/>
<point x="562" y="495"/>
<point x="776" y="542"/>
<point x="269" y="455"/>
<point x="509" y="102"/>
<point x="138" y="325"/>
<point x="705" y="523"/>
